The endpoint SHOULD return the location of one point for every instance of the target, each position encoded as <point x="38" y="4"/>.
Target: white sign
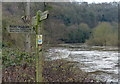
<point x="43" y="15"/>
<point x="39" y="39"/>
<point x="19" y="29"/>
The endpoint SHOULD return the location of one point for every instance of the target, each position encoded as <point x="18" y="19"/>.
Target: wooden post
<point x="40" y="16"/>
<point x="37" y="52"/>
<point x="39" y="55"/>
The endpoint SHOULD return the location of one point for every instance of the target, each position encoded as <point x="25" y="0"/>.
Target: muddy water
<point x="101" y="62"/>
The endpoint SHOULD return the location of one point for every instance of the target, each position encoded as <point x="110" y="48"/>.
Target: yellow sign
<point x="39" y="39"/>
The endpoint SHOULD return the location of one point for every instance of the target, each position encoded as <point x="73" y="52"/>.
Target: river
<point x="101" y="62"/>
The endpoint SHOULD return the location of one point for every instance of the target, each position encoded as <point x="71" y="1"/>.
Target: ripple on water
<point x="92" y="61"/>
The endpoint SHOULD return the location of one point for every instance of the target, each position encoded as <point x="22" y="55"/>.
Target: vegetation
<point x="80" y="34"/>
<point x="71" y="19"/>
<point x="104" y="34"/>
<point x="67" y="22"/>
<point x="15" y="57"/>
<point x="94" y="24"/>
<point x="19" y="67"/>
<point x="66" y="72"/>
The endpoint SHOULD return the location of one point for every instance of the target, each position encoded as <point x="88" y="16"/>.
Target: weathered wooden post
<point x="40" y="16"/>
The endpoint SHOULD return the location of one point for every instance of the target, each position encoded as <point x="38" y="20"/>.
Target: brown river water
<point x="101" y="62"/>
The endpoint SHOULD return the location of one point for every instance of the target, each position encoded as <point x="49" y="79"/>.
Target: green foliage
<point x="9" y="44"/>
<point x="0" y="43"/>
<point x="103" y="35"/>
<point x="80" y="34"/>
<point x="16" y="57"/>
<point x="64" y="21"/>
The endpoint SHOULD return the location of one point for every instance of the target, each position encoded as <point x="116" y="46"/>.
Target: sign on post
<point x="39" y="39"/>
<point x="20" y="29"/>
<point x="43" y="15"/>
<point x="37" y="20"/>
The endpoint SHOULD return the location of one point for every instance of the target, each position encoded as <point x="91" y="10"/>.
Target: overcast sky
<point x="97" y="1"/>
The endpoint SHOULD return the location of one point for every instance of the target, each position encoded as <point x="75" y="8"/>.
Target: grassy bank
<point x="64" y="71"/>
<point x="54" y="71"/>
<point x="22" y="69"/>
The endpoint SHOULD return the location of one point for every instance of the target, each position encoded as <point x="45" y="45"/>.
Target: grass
<point x="14" y="57"/>
<point x="63" y="71"/>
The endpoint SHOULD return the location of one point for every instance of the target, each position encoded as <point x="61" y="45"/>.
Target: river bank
<point x="66" y="63"/>
<point x="65" y="71"/>
<point x="99" y="61"/>
<point x="54" y="71"/>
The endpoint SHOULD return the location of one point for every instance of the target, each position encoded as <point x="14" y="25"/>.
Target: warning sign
<point x="39" y="39"/>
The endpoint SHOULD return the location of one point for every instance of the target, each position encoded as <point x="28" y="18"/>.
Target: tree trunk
<point x="27" y="35"/>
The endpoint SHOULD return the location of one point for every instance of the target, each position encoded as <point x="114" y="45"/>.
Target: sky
<point x="97" y="1"/>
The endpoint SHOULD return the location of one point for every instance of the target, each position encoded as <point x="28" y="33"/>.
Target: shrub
<point x="103" y="35"/>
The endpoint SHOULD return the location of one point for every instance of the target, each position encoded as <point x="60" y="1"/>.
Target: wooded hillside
<point x="67" y="23"/>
